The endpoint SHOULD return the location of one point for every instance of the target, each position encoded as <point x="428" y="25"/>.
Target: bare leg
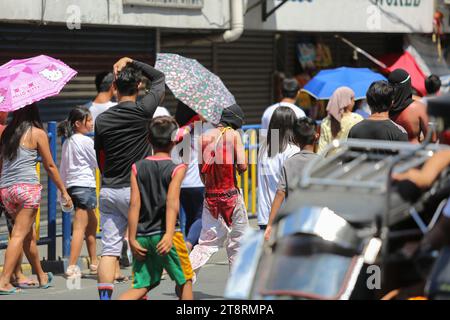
<point x="118" y="274"/>
<point x="18" y="275"/>
<point x="134" y="294"/>
<point x="32" y="253"/>
<point x="80" y="223"/>
<point x="107" y="269"/>
<point x="186" y="291"/>
<point x="91" y="233"/>
<point x="105" y="277"/>
<point x="23" y="223"/>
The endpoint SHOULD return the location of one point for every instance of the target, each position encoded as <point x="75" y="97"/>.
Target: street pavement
<point x="210" y="284"/>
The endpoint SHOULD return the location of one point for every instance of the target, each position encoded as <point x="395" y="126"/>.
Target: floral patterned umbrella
<point x="195" y="86"/>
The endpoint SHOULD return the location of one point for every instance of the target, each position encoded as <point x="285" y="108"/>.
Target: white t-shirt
<point x="192" y="178"/>
<point x="269" y="173"/>
<point x="78" y="162"/>
<point x="161" y="111"/>
<point x="97" y="108"/>
<point x="267" y="116"/>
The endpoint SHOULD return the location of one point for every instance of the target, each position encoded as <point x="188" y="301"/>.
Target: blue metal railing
<point x="50" y="240"/>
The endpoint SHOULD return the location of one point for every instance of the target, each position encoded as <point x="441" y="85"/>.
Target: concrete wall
<point x="393" y="16"/>
<point x="388" y="16"/>
<point x="214" y="15"/>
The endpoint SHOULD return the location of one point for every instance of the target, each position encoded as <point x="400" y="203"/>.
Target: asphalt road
<point x="210" y="285"/>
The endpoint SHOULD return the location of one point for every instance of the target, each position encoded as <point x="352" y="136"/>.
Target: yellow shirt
<point x="349" y="119"/>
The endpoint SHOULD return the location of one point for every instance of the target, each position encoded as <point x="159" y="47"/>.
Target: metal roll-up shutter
<point x="89" y="51"/>
<point x="375" y="44"/>
<point x="247" y="67"/>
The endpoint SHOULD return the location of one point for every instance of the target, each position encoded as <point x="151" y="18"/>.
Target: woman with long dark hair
<point x="21" y="142"/>
<point x="340" y="119"/>
<point x="275" y="150"/>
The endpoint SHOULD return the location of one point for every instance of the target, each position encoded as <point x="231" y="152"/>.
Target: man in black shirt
<point x="379" y="126"/>
<point x="121" y="140"/>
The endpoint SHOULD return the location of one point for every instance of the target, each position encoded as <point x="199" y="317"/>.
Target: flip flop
<point x="121" y="279"/>
<point x="49" y="282"/>
<point x="9" y="292"/>
<point x="27" y="284"/>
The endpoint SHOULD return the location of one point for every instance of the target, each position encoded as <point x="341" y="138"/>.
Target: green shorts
<point x="147" y="274"/>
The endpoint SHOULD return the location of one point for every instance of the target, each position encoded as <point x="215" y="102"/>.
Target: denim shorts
<point x="83" y="197"/>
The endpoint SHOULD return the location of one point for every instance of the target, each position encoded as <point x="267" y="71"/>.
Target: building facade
<point x="294" y="37"/>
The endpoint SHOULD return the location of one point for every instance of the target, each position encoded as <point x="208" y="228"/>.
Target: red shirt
<point x="219" y="161"/>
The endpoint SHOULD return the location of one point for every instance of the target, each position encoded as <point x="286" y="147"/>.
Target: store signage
<point x="395" y="3"/>
<point x="181" y="4"/>
<point x="398" y="3"/>
<point x="390" y="16"/>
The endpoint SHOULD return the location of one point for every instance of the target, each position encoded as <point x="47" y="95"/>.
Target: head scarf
<point x="401" y="81"/>
<point x="340" y="100"/>
<point x="233" y="116"/>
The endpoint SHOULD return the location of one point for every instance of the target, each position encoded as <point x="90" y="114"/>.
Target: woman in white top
<point x="275" y="150"/>
<point x="78" y="164"/>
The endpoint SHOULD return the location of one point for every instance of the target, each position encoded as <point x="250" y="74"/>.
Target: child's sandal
<point x="93" y="269"/>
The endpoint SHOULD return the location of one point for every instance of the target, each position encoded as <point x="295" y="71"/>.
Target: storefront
<point x="94" y="50"/>
<point x="309" y="33"/>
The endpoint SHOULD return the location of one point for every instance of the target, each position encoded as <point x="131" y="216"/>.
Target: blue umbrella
<point x="323" y="85"/>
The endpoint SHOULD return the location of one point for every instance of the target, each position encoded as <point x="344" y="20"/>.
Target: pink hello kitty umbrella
<point x="25" y="81"/>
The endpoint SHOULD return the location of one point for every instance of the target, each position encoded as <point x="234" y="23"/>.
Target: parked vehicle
<point x="348" y="232"/>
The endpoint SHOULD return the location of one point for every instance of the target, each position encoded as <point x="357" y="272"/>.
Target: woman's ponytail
<point x="65" y="129"/>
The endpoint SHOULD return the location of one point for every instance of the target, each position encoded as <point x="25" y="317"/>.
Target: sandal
<point x="121" y="279"/>
<point x="27" y="284"/>
<point x="49" y="282"/>
<point x="72" y="271"/>
<point x="93" y="269"/>
<point x="9" y="292"/>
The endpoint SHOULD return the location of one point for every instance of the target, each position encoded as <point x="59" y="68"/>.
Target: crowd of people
<point x="395" y="116"/>
<point x="174" y="207"/>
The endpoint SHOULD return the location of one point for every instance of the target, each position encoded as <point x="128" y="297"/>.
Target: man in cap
<point x="411" y="115"/>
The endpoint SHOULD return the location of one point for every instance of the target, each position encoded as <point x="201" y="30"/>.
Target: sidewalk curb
<point x="56" y="267"/>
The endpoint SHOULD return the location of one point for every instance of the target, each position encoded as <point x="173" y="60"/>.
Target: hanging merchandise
<point x="306" y="53"/>
<point x="324" y="59"/>
<point x="437" y="31"/>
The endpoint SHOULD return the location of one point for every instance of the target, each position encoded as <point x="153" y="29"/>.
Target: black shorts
<point x="83" y="197"/>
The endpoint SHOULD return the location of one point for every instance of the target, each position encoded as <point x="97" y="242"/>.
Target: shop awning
<point x="407" y="62"/>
